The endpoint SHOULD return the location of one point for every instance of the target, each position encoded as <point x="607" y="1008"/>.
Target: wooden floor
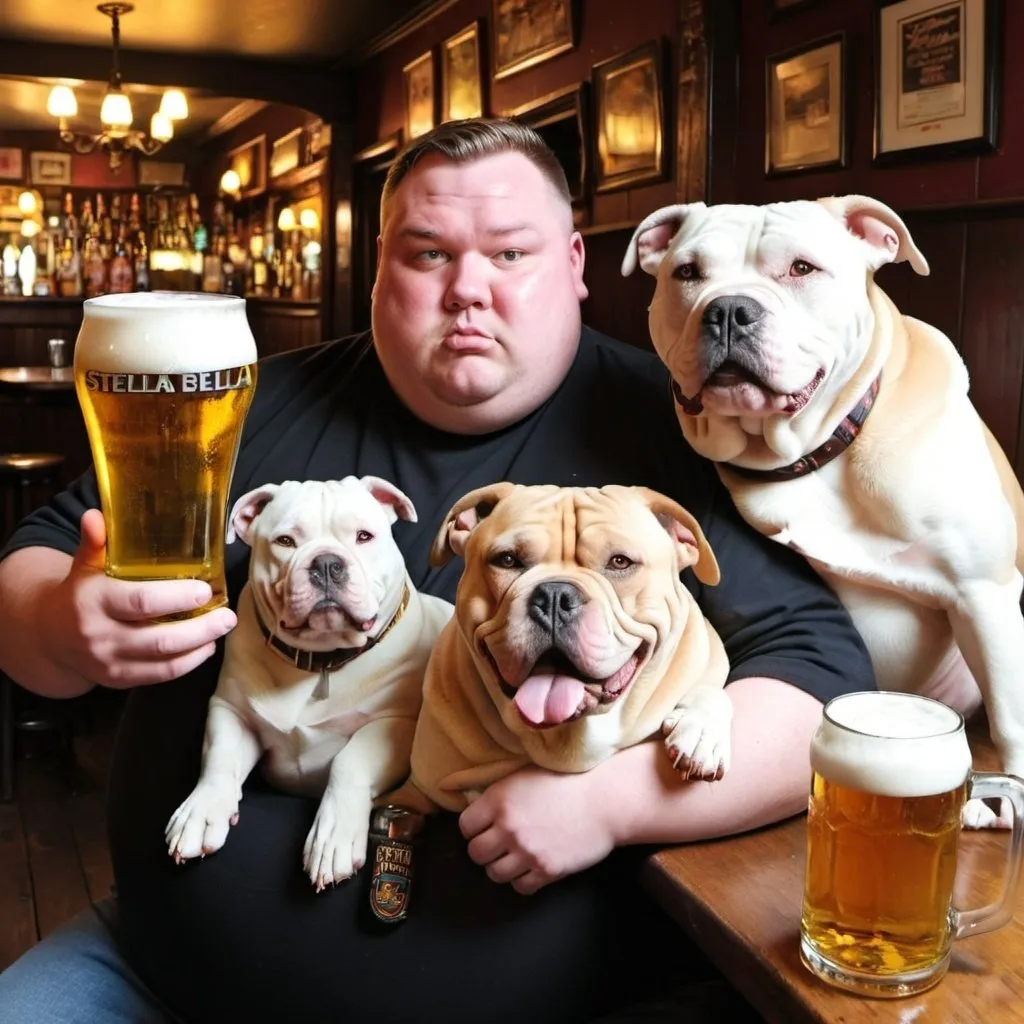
<point x="53" y="842"/>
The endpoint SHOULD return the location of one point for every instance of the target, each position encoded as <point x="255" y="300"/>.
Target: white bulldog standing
<point x="844" y="430"/>
<point x="323" y="675"/>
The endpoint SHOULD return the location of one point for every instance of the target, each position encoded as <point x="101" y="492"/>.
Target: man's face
<point x="476" y="313"/>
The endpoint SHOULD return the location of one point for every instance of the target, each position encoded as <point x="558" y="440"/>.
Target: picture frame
<point x="420" y="83"/>
<point x="46" y="168"/>
<point x="286" y="153"/>
<point x="12" y="163"/>
<point x="937" y="71"/>
<point x="562" y="118"/>
<point x="462" y="93"/>
<point x="161" y="172"/>
<point x="783" y="8"/>
<point x="629" y="118"/>
<point x="806" y="107"/>
<point x="249" y="161"/>
<point x="527" y="33"/>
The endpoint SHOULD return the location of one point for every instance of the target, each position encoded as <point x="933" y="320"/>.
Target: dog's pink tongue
<point x="549" y="699"/>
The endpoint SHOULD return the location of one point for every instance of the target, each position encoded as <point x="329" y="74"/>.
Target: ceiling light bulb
<point x="29" y="228"/>
<point x="286" y="219"/>
<point x="27" y="204"/>
<point x="160" y="127"/>
<point x="116" y="110"/>
<point x="173" y="105"/>
<point x="230" y="182"/>
<point x="309" y="220"/>
<point x="62" y="102"/>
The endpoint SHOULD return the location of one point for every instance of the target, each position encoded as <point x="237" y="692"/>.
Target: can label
<point x="391" y="882"/>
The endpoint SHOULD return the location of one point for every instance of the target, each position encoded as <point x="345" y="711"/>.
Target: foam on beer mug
<point x="892" y="744"/>
<point x="164" y="332"/>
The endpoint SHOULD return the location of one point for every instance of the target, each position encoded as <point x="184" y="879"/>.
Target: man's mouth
<point x="751" y="391"/>
<point x="556" y="691"/>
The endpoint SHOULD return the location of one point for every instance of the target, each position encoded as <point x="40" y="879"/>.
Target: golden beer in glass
<point x="165" y="380"/>
<point x="891" y="773"/>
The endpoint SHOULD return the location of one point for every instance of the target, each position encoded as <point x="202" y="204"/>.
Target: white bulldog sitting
<point x="323" y="675"/>
<point x="844" y="430"/>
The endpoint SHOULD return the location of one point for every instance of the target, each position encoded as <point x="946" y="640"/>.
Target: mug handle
<point x="988" y="918"/>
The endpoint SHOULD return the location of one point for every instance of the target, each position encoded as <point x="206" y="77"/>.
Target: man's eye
<point x="431" y="255"/>
<point x="511" y="255"/>
<point x="364" y="537"/>
<point x="285" y="540"/>
<point x="686" y="272"/>
<point x="506" y="560"/>
<point x="620" y="562"/>
<point x="801" y="268"/>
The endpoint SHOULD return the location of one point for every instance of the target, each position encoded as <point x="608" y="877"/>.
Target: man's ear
<point x="881" y="228"/>
<point x="396" y="504"/>
<point x="649" y="243"/>
<point x="692" y="547"/>
<point x="246" y="511"/>
<point x="463" y="518"/>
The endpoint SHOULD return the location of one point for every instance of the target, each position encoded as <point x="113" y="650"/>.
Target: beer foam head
<point x="164" y="332"/>
<point x="892" y="744"/>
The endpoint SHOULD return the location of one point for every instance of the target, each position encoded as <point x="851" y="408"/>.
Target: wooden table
<point x="25" y="380"/>
<point x="739" y="899"/>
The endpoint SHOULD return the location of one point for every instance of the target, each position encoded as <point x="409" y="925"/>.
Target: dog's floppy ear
<point x="880" y="227"/>
<point x="396" y="504"/>
<point x="246" y="510"/>
<point x="691" y="544"/>
<point x="463" y="518"/>
<point x="650" y="240"/>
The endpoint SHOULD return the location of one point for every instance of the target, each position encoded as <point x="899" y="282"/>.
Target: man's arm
<point x="535" y="827"/>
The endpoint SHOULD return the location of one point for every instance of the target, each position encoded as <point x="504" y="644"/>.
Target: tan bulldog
<point x="844" y="430"/>
<point x="573" y="637"/>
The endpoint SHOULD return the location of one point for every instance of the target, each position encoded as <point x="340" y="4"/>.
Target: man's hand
<point x="101" y="629"/>
<point x="535" y="827"/>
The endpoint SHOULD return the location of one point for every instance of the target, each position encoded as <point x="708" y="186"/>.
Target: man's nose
<point x="468" y="283"/>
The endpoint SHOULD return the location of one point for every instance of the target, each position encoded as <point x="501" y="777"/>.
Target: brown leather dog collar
<point x="842" y="437"/>
<point x="328" y="661"/>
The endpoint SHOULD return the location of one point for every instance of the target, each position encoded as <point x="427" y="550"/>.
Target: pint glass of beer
<point x="164" y="380"/>
<point x="890" y="775"/>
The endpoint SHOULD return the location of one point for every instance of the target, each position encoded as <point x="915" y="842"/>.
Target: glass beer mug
<point x="891" y="775"/>
<point x="165" y="380"/>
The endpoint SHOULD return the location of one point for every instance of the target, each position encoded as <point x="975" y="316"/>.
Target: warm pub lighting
<point x="308" y="220"/>
<point x="286" y="219"/>
<point x="116" y="111"/>
<point x="173" y="105"/>
<point x="160" y="127"/>
<point x="230" y="182"/>
<point x="61" y="102"/>
<point x="27" y="204"/>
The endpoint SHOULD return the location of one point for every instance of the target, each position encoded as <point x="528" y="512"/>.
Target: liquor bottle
<point x="213" y="267"/>
<point x="258" y="263"/>
<point x="141" y="262"/>
<point x="94" y="267"/>
<point x="69" y="228"/>
<point x="120" y="267"/>
<point x="69" y="270"/>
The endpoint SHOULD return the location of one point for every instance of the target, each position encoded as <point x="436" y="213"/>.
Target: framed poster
<point x="250" y="164"/>
<point x="527" y="32"/>
<point x="420" y="95"/>
<point x="937" y="74"/>
<point x="286" y="153"/>
<point x="12" y="163"/>
<point x="50" y="168"/>
<point x="461" y="78"/>
<point x="805" y="108"/>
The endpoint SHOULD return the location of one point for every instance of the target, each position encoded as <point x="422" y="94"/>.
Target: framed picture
<point x="778" y="8"/>
<point x="161" y="172"/>
<point x="461" y="78"/>
<point x="527" y="32"/>
<point x="629" y="117"/>
<point x="937" y="72"/>
<point x="562" y="118"/>
<point x="286" y="153"/>
<point x="420" y="95"/>
<point x="250" y="163"/>
<point x="12" y="163"/>
<point x="50" y="168"/>
<point x="805" y="108"/>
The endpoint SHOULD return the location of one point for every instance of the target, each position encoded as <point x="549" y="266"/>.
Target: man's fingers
<point x="141" y="602"/>
<point x="487" y="846"/>
<point x="475" y="818"/>
<point x="145" y="673"/>
<point x="167" y="641"/>
<point x="91" y="547"/>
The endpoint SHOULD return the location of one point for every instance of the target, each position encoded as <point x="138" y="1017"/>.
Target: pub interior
<point x="253" y="165"/>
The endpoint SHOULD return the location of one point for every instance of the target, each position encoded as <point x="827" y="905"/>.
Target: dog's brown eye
<point x="801" y="268"/>
<point x="620" y="562"/>
<point x="364" y="537"/>
<point x="685" y="272"/>
<point x="285" y="541"/>
<point x="506" y="560"/>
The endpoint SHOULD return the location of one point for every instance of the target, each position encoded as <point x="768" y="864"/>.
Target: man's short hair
<point x="465" y="141"/>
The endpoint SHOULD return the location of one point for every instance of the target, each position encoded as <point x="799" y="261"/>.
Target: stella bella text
<point x="169" y="383"/>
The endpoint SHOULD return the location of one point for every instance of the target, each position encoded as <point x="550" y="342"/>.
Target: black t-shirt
<point x="241" y="936"/>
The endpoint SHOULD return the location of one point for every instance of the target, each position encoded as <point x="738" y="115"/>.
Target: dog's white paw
<point x="978" y="814"/>
<point x="698" y="737"/>
<point x="200" y="825"/>
<point x="336" y="845"/>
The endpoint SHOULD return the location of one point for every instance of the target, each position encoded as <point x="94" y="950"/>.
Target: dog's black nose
<point x="555" y="605"/>
<point x="326" y="571"/>
<point x="728" y="312"/>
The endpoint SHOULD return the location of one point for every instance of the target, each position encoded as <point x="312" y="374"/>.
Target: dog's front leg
<point x="230" y="751"/>
<point x="698" y="733"/>
<point x="374" y="759"/>
<point x="989" y="631"/>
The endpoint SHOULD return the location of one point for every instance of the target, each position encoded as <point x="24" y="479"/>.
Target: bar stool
<point x="27" y="480"/>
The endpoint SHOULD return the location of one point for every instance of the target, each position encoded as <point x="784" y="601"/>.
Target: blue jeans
<point x="77" y="975"/>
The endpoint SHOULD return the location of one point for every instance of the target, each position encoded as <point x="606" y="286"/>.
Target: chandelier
<point x="116" y="136"/>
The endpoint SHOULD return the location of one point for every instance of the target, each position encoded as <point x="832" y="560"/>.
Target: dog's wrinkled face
<point x="325" y="570"/>
<point x="761" y="310"/>
<point x="569" y="594"/>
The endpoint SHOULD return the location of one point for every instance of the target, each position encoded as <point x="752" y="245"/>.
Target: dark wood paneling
<point x="26" y="325"/>
<point x="616" y="305"/>
<point x="282" y="327"/>
<point x="18" y="931"/>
